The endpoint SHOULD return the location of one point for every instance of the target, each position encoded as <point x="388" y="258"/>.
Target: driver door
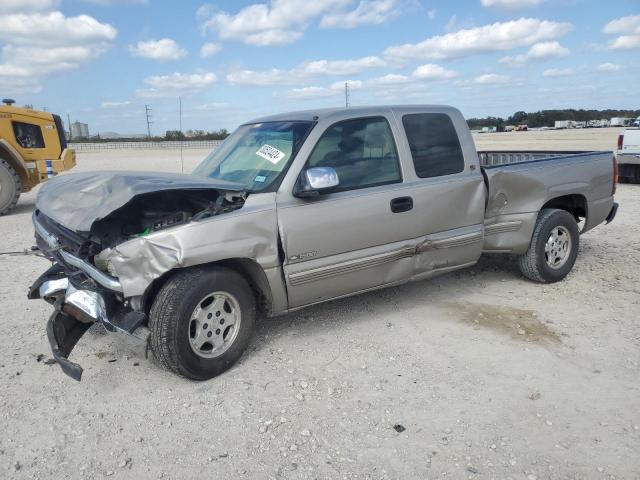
<point x="354" y="238"/>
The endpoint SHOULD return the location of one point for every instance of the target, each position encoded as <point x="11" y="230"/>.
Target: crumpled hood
<point x="77" y="200"/>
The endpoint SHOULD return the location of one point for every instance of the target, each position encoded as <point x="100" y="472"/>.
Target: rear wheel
<point x="201" y="321"/>
<point x="553" y="249"/>
<point x="10" y="187"/>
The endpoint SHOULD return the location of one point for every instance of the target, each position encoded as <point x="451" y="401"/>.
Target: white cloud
<point x="312" y="92"/>
<point x="280" y="22"/>
<point x="538" y="52"/>
<point x="108" y="3"/>
<point x="22" y="61"/>
<point x="431" y="14"/>
<point x="115" y="104"/>
<point x="623" y="25"/>
<point x="304" y="71"/>
<point x="334" y="89"/>
<point x="212" y="106"/>
<point x="53" y="29"/>
<point x="22" y="6"/>
<point x="500" y="36"/>
<point x="628" y="31"/>
<point x="511" y="4"/>
<point x="159" y="86"/>
<point x="209" y="49"/>
<point x="625" y="42"/>
<point x="421" y="75"/>
<point x="491" y="79"/>
<point x="367" y="12"/>
<point x="38" y="44"/>
<point x="339" y="67"/>
<point x="559" y="72"/>
<point x="165" y="49"/>
<point x="431" y="71"/>
<point x="608" y="67"/>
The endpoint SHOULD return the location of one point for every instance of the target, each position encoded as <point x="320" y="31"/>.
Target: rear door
<point x="447" y="188"/>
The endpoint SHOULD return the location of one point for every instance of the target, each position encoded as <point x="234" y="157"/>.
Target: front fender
<point x="250" y="232"/>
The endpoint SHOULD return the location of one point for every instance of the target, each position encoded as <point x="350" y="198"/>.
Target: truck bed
<point x="521" y="183"/>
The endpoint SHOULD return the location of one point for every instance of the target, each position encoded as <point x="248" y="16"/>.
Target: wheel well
<point x="249" y="269"/>
<point x="575" y="204"/>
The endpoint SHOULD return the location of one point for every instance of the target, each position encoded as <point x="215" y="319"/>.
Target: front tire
<point x="553" y="248"/>
<point x="201" y="321"/>
<point x="10" y="187"/>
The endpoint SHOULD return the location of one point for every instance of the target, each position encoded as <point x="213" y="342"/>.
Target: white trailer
<point x="621" y="121"/>
<point x="563" y="124"/>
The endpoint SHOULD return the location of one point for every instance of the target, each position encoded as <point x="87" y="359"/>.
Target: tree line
<point x="547" y="118"/>
<point x="170" y="135"/>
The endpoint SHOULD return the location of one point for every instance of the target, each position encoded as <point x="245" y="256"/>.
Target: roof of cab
<point x="342" y="112"/>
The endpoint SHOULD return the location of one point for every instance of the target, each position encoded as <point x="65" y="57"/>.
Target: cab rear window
<point x="434" y="144"/>
<point x="28" y="135"/>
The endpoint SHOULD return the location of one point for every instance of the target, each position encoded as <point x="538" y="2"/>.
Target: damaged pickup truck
<point x="297" y="209"/>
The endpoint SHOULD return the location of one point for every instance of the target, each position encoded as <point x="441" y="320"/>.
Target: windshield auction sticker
<point x="270" y="153"/>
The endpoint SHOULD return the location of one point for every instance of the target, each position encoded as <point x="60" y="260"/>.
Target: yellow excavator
<point x="33" y="148"/>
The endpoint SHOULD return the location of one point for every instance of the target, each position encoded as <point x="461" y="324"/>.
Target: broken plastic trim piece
<point x="63" y="333"/>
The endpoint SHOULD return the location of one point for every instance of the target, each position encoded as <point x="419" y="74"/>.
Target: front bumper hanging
<point x="75" y="310"/>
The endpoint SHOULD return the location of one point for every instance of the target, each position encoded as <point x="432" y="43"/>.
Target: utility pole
<point x="181" y="137"/>
<point x="147" y="111"/>
<point x="346" y="94"/>
<point x="69" y="122"/>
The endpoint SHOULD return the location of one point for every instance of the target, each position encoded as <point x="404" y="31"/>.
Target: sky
<point x="102" y="61"/>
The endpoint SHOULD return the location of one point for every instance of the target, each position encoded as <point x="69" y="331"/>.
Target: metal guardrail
<point x="172" y="145"/>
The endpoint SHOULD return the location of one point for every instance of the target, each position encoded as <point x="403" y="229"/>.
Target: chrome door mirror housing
<point x="315" y="181"/>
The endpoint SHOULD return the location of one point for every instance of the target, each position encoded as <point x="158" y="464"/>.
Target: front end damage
<point x="82" y="285"/>
<point x="79" y="301"/>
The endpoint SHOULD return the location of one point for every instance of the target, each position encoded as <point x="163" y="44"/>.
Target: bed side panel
<point x="518" y="191"/>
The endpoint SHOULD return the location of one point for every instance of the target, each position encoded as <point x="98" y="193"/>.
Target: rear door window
<point x="362" y="151"/>
<point x="28" y="135"/>
<point x="434" y="144"/>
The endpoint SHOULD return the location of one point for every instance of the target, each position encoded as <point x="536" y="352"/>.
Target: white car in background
<point x="628" y="154"/>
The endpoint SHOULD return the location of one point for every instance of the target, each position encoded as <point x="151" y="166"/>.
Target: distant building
<point x="79" y="130"/>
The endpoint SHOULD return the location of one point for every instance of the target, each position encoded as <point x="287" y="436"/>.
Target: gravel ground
<point x="476" y="374"/>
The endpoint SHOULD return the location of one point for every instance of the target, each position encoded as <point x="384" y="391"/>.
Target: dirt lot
<point x="482" y="373"/>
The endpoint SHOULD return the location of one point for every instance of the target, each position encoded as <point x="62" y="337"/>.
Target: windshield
<point x="255" y="155"/>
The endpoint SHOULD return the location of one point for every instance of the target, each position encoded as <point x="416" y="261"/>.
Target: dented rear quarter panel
<point x="518" y="191"/>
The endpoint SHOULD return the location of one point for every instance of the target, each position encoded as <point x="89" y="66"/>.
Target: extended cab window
<point x="434" y="144"/>
<point x="362" y="152"/>
<point x="28" y="135"/>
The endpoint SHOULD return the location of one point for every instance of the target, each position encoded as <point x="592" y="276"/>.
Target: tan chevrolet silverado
<point x="296" y="209"/>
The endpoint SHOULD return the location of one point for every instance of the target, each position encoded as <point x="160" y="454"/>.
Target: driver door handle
<point x="401" y="204"/>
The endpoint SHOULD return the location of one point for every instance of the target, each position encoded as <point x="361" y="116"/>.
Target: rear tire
<point x="553" y="248"/>
<point x="201" y="321"/>
<point x="10" y="187"/>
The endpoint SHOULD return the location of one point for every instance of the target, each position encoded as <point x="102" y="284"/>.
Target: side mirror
<point x="316" y="181"/>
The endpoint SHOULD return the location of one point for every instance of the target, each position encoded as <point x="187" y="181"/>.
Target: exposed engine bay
<point x="156" y="211"/>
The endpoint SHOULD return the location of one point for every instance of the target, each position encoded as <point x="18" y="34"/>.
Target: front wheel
<point x="201" y="321"/>
<point x="553" y="249"/>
